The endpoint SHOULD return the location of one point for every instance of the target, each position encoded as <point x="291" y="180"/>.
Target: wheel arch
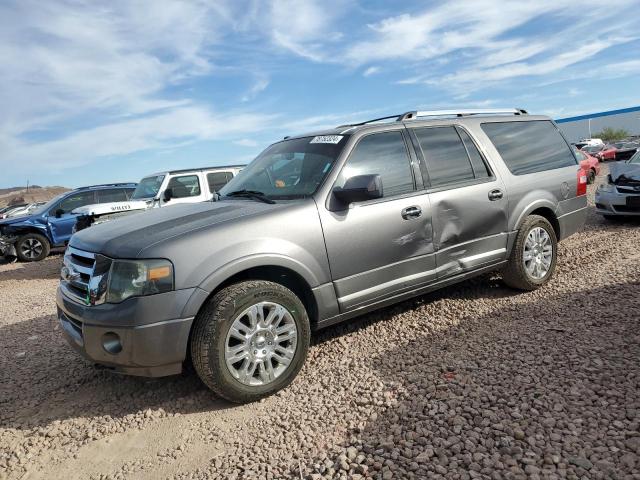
<point x="545" y="209"/>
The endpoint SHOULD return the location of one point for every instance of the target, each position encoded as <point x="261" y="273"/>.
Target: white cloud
<point x="246" y="142"/>
<point x="371" y="71"/>
<point x="261" y="83"/>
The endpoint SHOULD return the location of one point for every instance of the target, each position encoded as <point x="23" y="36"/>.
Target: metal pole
<point x="589" y="128"/>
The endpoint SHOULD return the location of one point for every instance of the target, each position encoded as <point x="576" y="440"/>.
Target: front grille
<point x="627" y="208"/>
<point x="628" y="189"/>
<point x="84" y="276"/>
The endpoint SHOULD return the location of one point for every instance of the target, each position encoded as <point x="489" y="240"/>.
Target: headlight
<point x="608" y="187"/>
<point x="131" y="278"/>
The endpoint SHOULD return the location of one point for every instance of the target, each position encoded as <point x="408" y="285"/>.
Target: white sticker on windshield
<point x="327" y="139"/>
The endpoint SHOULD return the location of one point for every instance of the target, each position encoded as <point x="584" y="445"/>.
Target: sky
<point x="96" y="92"/>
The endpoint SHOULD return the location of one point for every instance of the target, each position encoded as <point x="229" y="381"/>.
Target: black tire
<point x="515" y="274"/>
<point x="32" y="247"/>
<point x="592" y="176"/>
<point x="210" y="334"/>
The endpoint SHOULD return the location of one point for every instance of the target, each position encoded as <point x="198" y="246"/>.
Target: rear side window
<point x="445" y="154"/>
<point x="528" y="147"/>
<point x="384" y="154"/>
<point x="76" y="200"/>
<point x="217" y="180"/>
<point x="185" y="186"/>
<point x="114" y="195"/>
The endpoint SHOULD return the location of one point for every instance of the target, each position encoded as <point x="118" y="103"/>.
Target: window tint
<point x="185" y="186"/>
<point x="115" y="195"/>
<point x="217" y="180"/>
<point x="480" y="168"/>
<point x="75" y="200"/>
<point x="528" y="147"/>
<point x="384" y="154"/>
<point x="446" y="157"/>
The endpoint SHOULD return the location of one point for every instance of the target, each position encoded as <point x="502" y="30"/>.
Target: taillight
<point x="581" y="189"/>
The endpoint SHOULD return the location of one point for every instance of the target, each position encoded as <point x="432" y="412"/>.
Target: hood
<point x="126" y="237"/>
<point x="12" y="220"/>
<point x="625" y="172"/>
<point x="113" y="207"/>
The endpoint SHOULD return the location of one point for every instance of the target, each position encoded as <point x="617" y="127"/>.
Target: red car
<point x="588" y="163"/>
<point x="607" y="153"/>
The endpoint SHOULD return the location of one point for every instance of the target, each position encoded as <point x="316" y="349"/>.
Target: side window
<point x="384" y="154"/>
<point x="74" y="201"/>
<point x="479" y="166"/>
<point x="217" y="180"/>
<point x="446" y="156"/>
<point x="112" y="195"/>
<point x="528" y="147"/>
<point x="185" y="186"/>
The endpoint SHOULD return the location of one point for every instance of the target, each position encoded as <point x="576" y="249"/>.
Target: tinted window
<point x="75" y="200"/>
<point x="115" y="195"/>
<point x="185" y="186"/>
<point x="384" y="154"/>
<point x="217" y="180"/>
<point x="480" y="168"/>
<point x="528" y="147"/>
<point x="446" y="157"/>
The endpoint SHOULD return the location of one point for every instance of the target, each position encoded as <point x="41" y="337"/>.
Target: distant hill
<point x="15" y="195"/>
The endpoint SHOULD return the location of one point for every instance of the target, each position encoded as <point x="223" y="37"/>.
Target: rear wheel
<point x="250" y="340"/>
<point x="32" y="247"/>
<point x="533" y="257"/>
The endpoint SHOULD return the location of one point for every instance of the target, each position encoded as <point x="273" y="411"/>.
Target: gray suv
<point x="318" y="229"/>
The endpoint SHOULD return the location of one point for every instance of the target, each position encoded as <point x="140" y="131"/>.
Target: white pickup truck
<point x="160" y="190"/>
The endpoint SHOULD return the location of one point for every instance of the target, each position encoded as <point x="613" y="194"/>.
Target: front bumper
<point x="7" y="247"/>
<point x="617" y="203"/>
<point x="115" y="336"/>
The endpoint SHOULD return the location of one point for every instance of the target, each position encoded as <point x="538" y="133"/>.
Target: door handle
<point x="495" y="195"/>
<point x="411" y="212"/>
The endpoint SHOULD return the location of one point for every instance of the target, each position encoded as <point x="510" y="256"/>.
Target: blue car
<point x="31" y="237"/>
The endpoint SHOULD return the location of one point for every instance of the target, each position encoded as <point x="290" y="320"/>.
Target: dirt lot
<point x="474" y="381"/>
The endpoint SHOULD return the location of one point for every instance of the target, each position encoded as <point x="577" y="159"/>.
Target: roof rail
<point x="121" y="184"/>
<point x="441" y="113"/>
<point x="199" y="169"/>
<point x="462" y="113"/>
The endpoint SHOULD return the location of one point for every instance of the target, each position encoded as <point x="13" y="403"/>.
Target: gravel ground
<point x="473" y="381"/>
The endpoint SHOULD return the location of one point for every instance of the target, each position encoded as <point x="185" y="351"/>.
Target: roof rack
<point x="441" y="113"/>
<point x="199" y="169"/>
<point x="121" y="184"/>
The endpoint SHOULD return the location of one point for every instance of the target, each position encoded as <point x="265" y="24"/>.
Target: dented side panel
<point x="469" y="229"/>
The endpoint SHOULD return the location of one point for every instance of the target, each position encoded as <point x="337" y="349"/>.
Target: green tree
<point x="612" y="134"/>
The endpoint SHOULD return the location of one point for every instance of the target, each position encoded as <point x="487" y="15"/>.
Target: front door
<point x="184" y="189"/>
<point x="380" y="247"/>
<point x="469" y="201"/>
<point x="61" y="220"/>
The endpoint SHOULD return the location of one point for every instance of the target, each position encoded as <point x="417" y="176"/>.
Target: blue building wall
<point x="575" y="128"/>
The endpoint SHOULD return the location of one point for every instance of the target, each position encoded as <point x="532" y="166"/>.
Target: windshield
<point x="289" y="169"/>
<point x="593" y="149"/>
<point x="45" y="207"/>
<point x="635" y="158"/>
<point x="148" y="187"/>
<point x="579" y="154"/>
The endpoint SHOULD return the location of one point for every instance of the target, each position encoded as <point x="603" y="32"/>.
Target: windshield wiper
<point x="250" y="194"/>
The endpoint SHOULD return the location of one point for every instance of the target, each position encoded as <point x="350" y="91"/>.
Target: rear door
<point x="61" y="220"/>
<point x="110" y="195"/>
<point x="468" y="200"/>
<point x="381" y="247"/>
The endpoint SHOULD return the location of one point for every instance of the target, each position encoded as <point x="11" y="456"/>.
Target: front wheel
<point x="250" y="340"/>
<point x="32" y="247"/>
<point x="533" y="256"/>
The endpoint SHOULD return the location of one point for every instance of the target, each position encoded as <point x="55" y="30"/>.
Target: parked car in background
<point x="589" y="142"/>
<point x="159" y="190"/>
<point x="601" y="152"/>
<point x="318" y="229"/>
<point x="625" y="150"/>
<point x="30" y="237"/>
<point x="589" y="164"/>
<point x="620" y="195"/>
<point x="6" y="211"/>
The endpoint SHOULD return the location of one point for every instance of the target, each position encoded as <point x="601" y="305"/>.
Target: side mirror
<point x="359" y="189"/>
<point x="59" y="212"/>
<point x="168" y="194"/>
